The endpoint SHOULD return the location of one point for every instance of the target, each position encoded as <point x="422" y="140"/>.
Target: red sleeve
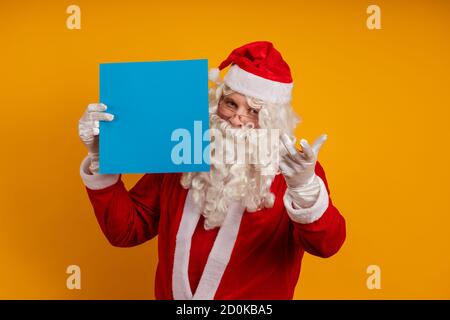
<point x="128" y="218"/>
<point x="325" y="236"/>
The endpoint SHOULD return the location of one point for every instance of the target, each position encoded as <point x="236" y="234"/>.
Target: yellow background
<point x="381" y="95"/>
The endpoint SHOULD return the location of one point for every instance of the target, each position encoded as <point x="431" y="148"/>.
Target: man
<point x="233" y="232"/>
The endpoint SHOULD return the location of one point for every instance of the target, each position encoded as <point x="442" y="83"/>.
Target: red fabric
<point x="266" y="258"/>
<point x="202" y="243"/>
<point x="261" y="59"/>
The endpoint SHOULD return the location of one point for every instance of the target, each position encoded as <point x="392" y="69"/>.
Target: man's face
<point x="235" y="109"/>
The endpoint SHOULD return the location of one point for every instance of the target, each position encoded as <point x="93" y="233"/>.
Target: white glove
<point x="298" y="169"/>
<point x="89" y="130"/>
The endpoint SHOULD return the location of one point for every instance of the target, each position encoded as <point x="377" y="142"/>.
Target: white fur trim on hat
<point x="257" y="87"/>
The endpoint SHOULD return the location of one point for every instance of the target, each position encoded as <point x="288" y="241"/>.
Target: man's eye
<point x="231" y="104"/>
<point x="253" y="111"/>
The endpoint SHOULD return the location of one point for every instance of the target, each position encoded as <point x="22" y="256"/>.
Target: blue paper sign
<point x="160" y="117"/>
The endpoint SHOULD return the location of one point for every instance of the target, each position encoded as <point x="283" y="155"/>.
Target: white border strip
<point x="217" y="260"/>
<point x="220" y="254"/>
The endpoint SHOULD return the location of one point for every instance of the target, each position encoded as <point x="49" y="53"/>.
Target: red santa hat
<point x="257" y="70"/>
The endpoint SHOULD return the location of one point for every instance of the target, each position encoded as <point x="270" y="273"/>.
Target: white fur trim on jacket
<point x="96" y="181"/>
<point x="218" y="258"/>
<point x="254" y="86"/>
<point x="311" y="214"/>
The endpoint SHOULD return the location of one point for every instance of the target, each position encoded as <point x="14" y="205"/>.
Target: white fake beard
<point x="214" y="191"/>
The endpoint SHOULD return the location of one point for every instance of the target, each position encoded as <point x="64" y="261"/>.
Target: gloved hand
<point x="298" y="169"/>
<point x="89" y="130"/>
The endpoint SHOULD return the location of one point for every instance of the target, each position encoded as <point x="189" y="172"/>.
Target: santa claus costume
<point x="252" y="249"/>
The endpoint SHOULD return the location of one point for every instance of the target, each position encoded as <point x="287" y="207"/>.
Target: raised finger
<point x="306" y="148"/>
<point x="101" y="116"/>
<point x="293" y="154"/>
<point x="96" y="107"/>
<point x="318" y="143"/>
<point x="287" y="143"/>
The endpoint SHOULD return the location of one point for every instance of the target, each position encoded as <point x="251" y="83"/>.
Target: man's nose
<point x="235" y="121"/>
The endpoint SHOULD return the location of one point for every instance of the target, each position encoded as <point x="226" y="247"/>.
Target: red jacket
<point x="264" y="256"/>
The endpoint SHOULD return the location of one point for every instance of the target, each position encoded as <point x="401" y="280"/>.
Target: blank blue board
<point x="151" y="103"/>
